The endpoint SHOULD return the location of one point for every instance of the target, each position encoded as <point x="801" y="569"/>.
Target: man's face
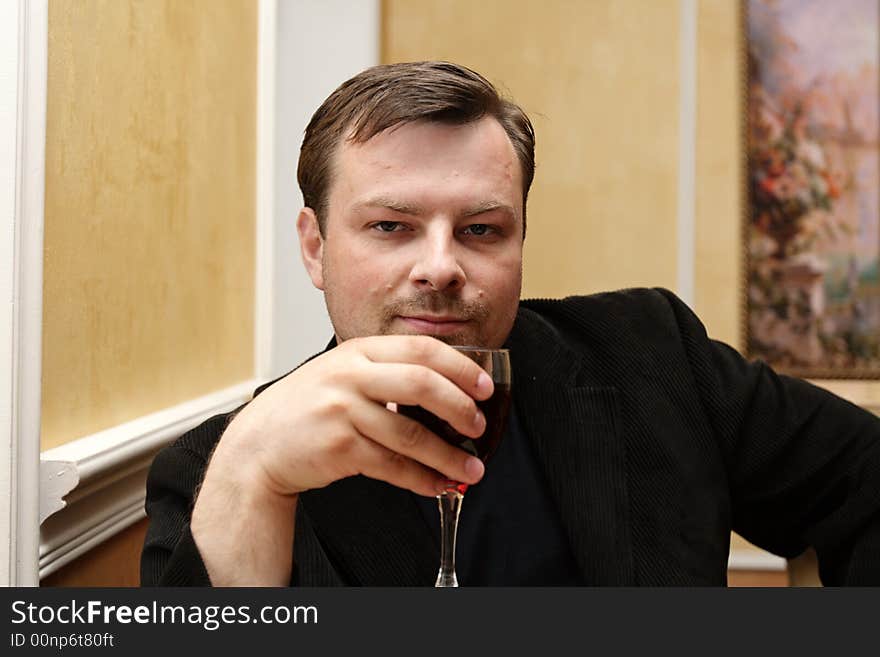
<point x="423" y="234"/>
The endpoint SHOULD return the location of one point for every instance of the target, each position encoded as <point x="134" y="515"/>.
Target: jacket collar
<point x="375" y="534"/>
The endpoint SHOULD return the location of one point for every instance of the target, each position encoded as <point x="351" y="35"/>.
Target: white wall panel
<point x="320" y="43"/>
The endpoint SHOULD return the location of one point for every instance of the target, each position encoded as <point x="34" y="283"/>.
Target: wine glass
<point x="496" y="362"/>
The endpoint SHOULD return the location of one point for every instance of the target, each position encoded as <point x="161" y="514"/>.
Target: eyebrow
<point x="489" y="206"/>
<point x="389" y="203"/>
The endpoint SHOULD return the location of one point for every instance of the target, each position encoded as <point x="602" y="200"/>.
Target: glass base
<point x="446" y="580"/>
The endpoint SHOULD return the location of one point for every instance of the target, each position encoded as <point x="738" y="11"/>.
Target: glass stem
<point x="450" y="506"/>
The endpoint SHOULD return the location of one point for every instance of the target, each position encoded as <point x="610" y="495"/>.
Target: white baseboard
<point x="112" y="467"/>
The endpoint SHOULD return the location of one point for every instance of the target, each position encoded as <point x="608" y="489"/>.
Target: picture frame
<point x="811" y="224"/>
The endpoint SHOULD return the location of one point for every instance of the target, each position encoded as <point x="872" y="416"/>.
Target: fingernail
<point x="484" y="382"/>
<point x="474" y="468"/>
<point x="480" y="422"/>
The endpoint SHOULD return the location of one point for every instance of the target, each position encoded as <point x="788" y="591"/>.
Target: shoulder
<point x="634" y="300"/>
<point x="636" y="328"/>
<point x="646" y="312"/>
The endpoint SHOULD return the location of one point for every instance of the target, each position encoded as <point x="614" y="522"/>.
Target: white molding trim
<point x="30" y="285"/>
<point x="10" y="54"/>
<point x="23" y="99"/>
<point x="687" y="151"/>
<point x="112" y="468"/>
<point x="264" y="289"/>
<point x="319" y="44"/>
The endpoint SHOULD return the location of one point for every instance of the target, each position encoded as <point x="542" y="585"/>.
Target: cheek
<point x="499" y="290"/>
<point x="363" y="278"/>
<point x="501" y="282"/>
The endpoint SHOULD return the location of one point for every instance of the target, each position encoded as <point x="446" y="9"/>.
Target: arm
<point x="803" y="464"/>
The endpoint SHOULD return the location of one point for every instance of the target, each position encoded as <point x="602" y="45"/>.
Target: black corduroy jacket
<point x="655" y="441"/>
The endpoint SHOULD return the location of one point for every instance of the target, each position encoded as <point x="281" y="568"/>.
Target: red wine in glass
<point x="495" y="409"/>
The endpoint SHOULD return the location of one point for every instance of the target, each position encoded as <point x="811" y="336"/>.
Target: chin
<point x="456" y="339"/>
<point x="459" y="340"/>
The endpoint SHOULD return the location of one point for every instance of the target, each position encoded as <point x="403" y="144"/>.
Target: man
<point x="635" y="443"/>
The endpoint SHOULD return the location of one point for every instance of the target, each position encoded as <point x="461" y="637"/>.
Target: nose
<point x="438" y="267"/>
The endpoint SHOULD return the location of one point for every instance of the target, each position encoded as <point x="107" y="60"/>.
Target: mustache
<point x="437" y="303"/>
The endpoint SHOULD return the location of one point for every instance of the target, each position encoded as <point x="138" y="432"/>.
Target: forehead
<point x="429" y="159"/>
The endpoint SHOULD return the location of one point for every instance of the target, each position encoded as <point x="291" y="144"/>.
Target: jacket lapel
<point x="573" y="426"/>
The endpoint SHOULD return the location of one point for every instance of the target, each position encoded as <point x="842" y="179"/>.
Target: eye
<point x="479" y="230"/>
<point x="388" y="226"/>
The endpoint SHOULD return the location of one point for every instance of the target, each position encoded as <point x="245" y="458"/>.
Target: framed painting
<point x="811" y="229"/>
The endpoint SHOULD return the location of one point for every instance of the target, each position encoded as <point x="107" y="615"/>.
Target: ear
<point x="311" y="246"/>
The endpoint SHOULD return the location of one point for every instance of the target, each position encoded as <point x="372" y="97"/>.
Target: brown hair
<point x="384" y="96"/>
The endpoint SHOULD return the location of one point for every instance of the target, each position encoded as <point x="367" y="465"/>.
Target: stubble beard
<point x="475" y="313"/>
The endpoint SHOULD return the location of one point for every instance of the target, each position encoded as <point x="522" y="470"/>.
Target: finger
<point x="411" y="439"/>
<point x="430" y="352"/>
<point x="416" y="385"/>
<point x="379" y="462"/>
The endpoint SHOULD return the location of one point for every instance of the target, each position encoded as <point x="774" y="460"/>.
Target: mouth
<point x="434" y="325"/>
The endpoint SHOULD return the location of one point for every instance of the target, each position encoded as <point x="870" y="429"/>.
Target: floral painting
<point x="813" y="219"/>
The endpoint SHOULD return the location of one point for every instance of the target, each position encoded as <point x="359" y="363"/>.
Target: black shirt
<point x="509" y="532"/>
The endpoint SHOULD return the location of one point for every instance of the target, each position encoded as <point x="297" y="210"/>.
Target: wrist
<point x="237" y="479"/>
<point x="242" y="528"/>
<point x="241" y="456"/>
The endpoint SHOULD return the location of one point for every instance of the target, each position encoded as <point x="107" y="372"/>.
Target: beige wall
<point x="719" y="163"/>
<point x="149" y="227"/>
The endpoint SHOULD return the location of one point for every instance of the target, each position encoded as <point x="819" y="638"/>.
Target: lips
<point x="434" y="325"/>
